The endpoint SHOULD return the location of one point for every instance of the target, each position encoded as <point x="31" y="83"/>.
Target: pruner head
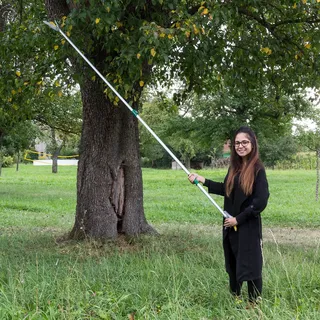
<point x="52" y="25"/>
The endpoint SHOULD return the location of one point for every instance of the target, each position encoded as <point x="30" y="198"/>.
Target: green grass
<point x="170" y="197"/>
<point x="179" y="275"/>
<point x="49" y="200"/>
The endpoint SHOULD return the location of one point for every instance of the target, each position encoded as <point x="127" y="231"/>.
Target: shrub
<point x="7" y="161"/>
<point x="305" y="161"/>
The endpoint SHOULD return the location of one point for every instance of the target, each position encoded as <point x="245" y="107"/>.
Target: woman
<point x="245" y="191"/>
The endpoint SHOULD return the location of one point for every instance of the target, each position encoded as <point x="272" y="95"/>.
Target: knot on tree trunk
<point x="117" y="196"/>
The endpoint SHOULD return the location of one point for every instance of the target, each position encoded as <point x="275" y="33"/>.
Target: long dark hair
<point x="248" y="169"/>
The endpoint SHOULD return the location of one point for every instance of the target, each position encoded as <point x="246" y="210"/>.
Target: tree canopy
<point x="262" y="52"/>
<point x="204" y="44"/>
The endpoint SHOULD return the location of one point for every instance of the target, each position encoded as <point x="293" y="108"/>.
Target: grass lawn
<point x="178" y="275"/>
<point x="170" y="197"/>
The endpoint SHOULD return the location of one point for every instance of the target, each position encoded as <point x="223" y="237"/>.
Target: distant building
<point x="41" y="147"/>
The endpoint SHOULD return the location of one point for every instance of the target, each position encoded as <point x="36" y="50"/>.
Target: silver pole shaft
<point x="56" y="28"/>
<point x="182" y="166"/>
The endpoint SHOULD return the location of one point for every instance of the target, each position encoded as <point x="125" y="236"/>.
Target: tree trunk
<point x="318" y="174"/>
<point x="55" y="160"/>
<point x="187" y="162"/>
<point x="56" y="151"/>
<point x="5" y="10"/>
<point x="18" y="160"/>
<point x="109" y="182"/>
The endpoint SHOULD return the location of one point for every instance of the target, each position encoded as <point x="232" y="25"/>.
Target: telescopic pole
<point x="55" y="27"/>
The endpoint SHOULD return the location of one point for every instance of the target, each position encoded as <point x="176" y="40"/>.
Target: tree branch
<point x="294" y="21"/>
<point x="271" y="27"/>
<point x="63" y="129"/>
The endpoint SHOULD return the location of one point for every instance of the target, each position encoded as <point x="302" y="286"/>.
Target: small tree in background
<point x="311" y="139"/>
<point x="22" y="136"/>
<point x="60" y="118"/>
<point x="156" y="112"/>
<point x="273" y="149"/>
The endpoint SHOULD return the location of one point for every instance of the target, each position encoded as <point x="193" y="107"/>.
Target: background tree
<point x="61" y="117"/>
<point x="156" y="111"/>
<point x="311" y="139"/>
<point x="212" y="119"/>
<point x="20" y="137"/>
<point x="219" y="114"/>
<point x="276" y="149"/>
<point x="175" y="126"/>
<point x="240" y="44"/>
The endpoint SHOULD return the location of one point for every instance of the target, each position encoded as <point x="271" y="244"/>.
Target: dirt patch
<point x="296" y="236"/>
<point x="285" y="235"/>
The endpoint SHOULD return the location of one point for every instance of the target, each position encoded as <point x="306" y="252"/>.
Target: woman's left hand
<point x="193" y="176"/>
<point x="230" y="222"/>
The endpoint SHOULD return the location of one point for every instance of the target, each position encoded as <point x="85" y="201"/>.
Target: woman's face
<point x="242" y="145"/>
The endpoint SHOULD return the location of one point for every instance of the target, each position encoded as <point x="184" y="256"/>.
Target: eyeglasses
<point x="244" y="143"/>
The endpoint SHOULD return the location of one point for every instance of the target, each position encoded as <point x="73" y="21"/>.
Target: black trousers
<point x="254" y="286"/>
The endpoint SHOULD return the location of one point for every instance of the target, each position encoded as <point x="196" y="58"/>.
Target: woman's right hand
<point x="194" y="176"/>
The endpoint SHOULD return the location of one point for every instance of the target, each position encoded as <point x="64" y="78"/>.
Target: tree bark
<point x="56" y="8"/>
<point x="187" y="162"/>
<point x="1" y="162"/>
<point x="56" y="151"/>
<point x="5" y="10"/>
<point x="109" y="181"/>
<point x="18" y="160"/>
<point x="318" y="174"/>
